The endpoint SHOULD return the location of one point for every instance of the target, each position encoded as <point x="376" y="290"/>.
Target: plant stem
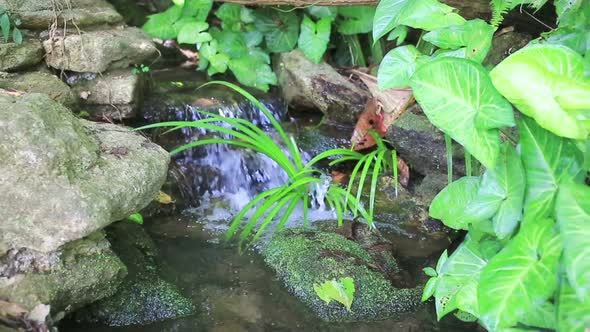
<point x="468" y="163"/>
<point x="449" y="146"/>
<point x="376" y="50"/>
<point x="358" y="58"/>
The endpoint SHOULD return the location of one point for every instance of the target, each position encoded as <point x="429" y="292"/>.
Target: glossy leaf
<point x="520" y="276"/>
<point x="547" y="82"/>
<point x="418" y="14"/>
<point x="501" y="193"/>
<point x="17" y="36"/>
<point x="398" y="34"/>
<point x="192" y="33"/>
<point x="5" y="26"/>
<point x="572" y="210"/>
<point x="572" y="314"/>
<point x="458" y="280"/>
<point x="541" y="316"/>
<point x="398" y="66"/>
<point x="281" y="30"/>
<point x="314" y="37"/>
<point x="475" y="35"/>
<point x="451" y="203"/>
<point x="341" y="291"/>
<point x="230" y="42"/>
<point x="355" y="19"/>
<point x="199" y="9"/>
<point x="548" y="159"/>
<point x="136" y="218"/>
<point x="458" y="97"/>
<point x="161" y="25"/>
<point x="253" y="73"/>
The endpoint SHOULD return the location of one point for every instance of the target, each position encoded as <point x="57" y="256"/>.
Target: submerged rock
<point x="306" y="85"/>
<point x="422" y="145"/>
<point x="113" y="95"/>
<point x="97" y="51"/>
<point x="17" y="57"/>
<point x="40" y="14"/>
<point x="75" y="275"/>
<point x="303" y="258"/>
<point x="144" y="297"/>
<point x="63" y="178"/>
<point x="39" y="82"/>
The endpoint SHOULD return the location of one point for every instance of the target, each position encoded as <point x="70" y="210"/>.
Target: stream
<point x="235" y="291"/>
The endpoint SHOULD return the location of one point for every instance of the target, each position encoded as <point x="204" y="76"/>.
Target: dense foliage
<point x="523" y="264"/>
<point x="9" y="27"/>
<point x="246" y="37"/>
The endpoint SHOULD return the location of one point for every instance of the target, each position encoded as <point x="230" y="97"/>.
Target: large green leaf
<point x="501" y="193"/>
<point x="398" y="66"/>
<point x="198" y="9"/>
<point x="521" y="276"/>
<point x="162" y="25"/>
<point x="281" y="29"/>
<point x="475" y="35"/>
<point x="459" y="98"/>
<point x="320" y="12"/>
<point x="572" y="314"/>
<point x="355" y="19"/>
<point x="541" y="316"/>
<point x="419" y="14"/>
<point x="314" y="37"/>
<point x="450" y="204"/>
<point x="192" y="33"/>
<point x="251" y="72"/>
<point x="547" y="83"/>
<point x="548" y="159"/>
<point x="457" y="282"/>
<point x="572" y="210"/>
<point x="230" y="42"/>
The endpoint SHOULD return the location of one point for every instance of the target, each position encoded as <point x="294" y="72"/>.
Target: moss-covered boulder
<point x="303" y="258"/>
<point x="97" y="51"/>
<point x="64" y="178"/>
<point x="17" y="57"/>
<point x="77" y="274"/>
<point x="39" y="82"/>
<point x="144" y="297"/>
<point x="40" y="14"/>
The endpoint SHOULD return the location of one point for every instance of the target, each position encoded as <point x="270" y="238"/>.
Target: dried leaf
<point x="163" y="198"/>
<point x="339" y="177"/>
<point x="403" y="172"/>
<point x="371" y="118"/>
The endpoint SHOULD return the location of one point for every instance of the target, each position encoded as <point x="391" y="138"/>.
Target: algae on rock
<point x="303" y="258"/>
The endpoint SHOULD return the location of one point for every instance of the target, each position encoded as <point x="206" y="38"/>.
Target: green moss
<point x="302" y="258"/>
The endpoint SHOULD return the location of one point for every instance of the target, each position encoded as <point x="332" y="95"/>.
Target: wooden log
<point x="469" y="9"/>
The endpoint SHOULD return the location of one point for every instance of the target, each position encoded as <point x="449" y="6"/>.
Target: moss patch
<point x="302" y="258"/>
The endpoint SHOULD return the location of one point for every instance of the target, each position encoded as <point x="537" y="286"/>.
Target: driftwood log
<point x="469" y="9"/>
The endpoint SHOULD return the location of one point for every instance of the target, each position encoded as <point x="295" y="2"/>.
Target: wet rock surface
<point x="144" y="297"/>
<point x="98" y="51"/>
<point x="40" y="14"/>
<point x="77" y="274"/>
<point x="113" y="95"/>
<point x="304" y="257"/>
<point x="65" y="178"/>
<point x="306" y="85"/>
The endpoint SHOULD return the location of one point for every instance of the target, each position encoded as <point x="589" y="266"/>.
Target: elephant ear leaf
<point x="573" y="218"/>
<point x="459" y="98"/>
<point x="546" y="82"/>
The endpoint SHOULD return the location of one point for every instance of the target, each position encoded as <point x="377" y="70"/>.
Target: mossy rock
<point x="303" y="258"/>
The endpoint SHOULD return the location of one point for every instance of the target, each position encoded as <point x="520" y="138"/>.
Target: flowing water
<point x="232" y="291"/>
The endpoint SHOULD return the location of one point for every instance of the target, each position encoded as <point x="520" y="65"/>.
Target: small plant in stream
<point x="341" y="291"/>
<point x="523" y="264"/>
<point x="281" y="201"/>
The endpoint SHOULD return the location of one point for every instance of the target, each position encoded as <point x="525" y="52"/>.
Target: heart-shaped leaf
<point x="459" y="98"/>
<point x="475" y="35"/>
<point x="572" y="210"/>
<point x="281" y="29"/>
<point x="355" y="19"/>
<point x="573" y="313"/>
<point x="451" y="203"/>
<point x="547" y="82"/>
<point x="251" y="72"/>
<point x="192" y="33"/>
<point x="520" y="276"/>
<point x="314" y="37"/>
<point x="501" y="193"/>
<point x="548" y="159"/>
<point x="418" y="14"/>
<point x="398" y="66"/>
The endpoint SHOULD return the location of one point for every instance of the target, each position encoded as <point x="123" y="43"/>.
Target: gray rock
<point x="422" y="145"/>
<point x="38" y="82"/>
<point x="306" y="85"/>
<point x="505" y="44"/>
<point x="63" y="178"/>
<point x="98" y="51"/>
<point x="40" y="14"/>
<point x="86" y="270"/>
<point x="113" y="95"/>
<point x="17" y="57"/>
<point x="144" y="297"/>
